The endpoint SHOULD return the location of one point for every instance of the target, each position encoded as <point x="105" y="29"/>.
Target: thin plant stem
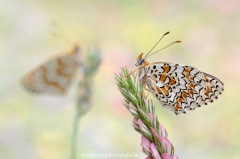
<point x="75" y="135"/>
<point x="83" y="98"/>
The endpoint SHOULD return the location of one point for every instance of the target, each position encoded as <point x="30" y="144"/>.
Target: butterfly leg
<point x="145" y="80"/>
<point x="136" y="74"/>
<point x="132" y="72"/>
<point x="147" y="94"/>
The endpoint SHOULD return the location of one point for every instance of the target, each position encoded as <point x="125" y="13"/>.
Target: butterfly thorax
<point x="141" y="63"/>
<point x="141" y="74"/>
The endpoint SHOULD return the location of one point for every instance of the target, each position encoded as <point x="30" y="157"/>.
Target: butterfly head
<point x="139" y="60"/>
<point x="76" y="48"/>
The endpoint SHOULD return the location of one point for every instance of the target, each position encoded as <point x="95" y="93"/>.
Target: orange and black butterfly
<point x="178" y="88"/>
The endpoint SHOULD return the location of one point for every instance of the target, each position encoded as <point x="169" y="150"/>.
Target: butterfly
<point x="178" y="88"/>
<point x="55" y="75"/>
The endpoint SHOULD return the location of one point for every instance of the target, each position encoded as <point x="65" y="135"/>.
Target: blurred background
<point x="40" y="127"/>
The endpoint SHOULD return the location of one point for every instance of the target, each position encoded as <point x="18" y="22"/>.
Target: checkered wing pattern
<point x="53" y="77"/>
<point x="181" y="88"/>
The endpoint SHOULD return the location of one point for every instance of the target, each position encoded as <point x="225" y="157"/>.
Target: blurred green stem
<point x="75" y="135"/>
<point x="83" y="102"/>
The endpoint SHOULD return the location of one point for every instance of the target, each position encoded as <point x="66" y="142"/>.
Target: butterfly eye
<point x="140" y="61"/>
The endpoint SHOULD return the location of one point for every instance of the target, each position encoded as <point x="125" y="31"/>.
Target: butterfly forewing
<point x="52" y="77"/>
<point x="181" y="88"/>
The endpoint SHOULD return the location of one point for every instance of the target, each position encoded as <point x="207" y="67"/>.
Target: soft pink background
<point x="39" y="127"/>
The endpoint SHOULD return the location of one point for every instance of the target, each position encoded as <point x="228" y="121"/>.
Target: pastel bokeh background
<point x="40" y="127"/>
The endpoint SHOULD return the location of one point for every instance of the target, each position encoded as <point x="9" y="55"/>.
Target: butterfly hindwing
<point x="52" y="77"/>
<point x="182" y="88"/>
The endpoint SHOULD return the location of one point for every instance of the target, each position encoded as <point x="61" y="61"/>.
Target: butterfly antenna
<point x="157" y="43"/>
<point x="62" y="34"/>
<point x="164" y="48"/>
<point x="62" y="38"/>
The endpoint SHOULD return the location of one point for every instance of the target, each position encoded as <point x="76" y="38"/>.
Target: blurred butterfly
<point x="178" y="88"/>
<point x="54" y="76"/>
